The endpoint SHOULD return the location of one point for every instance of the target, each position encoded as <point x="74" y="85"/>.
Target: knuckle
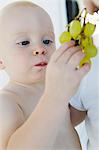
<point x="80" y="54"/>
<point x="73" y="50"/>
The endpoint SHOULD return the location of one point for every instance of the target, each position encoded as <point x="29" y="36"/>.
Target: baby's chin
<point x="38" y="76"/>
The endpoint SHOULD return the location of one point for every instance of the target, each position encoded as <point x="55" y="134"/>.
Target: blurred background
<point x="61" y="12"/>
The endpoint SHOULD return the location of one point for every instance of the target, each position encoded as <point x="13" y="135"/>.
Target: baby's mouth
<point x="41" y="64"/>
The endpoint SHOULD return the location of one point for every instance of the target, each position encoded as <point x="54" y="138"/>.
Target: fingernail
<point x="87" y="66"/>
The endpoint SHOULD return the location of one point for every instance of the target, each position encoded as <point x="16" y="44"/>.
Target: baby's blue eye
<point x="24" y="43"/>
<point x="46" y="42"/>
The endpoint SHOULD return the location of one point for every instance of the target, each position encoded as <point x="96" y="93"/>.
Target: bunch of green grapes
<point x="82" y="34"/>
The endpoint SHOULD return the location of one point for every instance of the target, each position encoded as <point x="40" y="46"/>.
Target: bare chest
<point x="28" y="103"/>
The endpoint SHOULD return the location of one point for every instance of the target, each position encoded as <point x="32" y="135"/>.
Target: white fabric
<point x="87" y="99"/>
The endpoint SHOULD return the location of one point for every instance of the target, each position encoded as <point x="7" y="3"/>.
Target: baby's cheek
<point x="21" y="56"/>
<point x="19" y="62"/>
<point x="50" y="52"/>
<point x="49" y="56"/>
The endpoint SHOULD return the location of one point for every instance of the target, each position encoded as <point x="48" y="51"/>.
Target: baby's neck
<point x="27" y="90"/>
<point x="32" y="86"/>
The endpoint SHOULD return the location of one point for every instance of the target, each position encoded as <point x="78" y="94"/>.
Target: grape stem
<point x="84" y="21"/>
<point x="79" y="15"/>
<point x="67" y="26"/>
<point x="85" y="17"/>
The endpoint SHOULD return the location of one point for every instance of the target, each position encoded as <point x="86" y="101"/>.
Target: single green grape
<point x="84" y="61"/>
<point x="75" y="28"/>
<point x="65" y="37"/>
<point x="89" y="29"/>
<point x="90" y="51"/>
<point x="86" y="41"/>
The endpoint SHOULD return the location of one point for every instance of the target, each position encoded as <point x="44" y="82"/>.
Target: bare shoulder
<point x="11" y="117"/>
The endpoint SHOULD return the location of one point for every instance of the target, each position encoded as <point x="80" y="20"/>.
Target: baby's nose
<point x="39" y="52"/>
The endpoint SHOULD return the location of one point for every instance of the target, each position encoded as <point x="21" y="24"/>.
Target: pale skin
<point x="91" y="5"/>
<point x="35" y="102"/>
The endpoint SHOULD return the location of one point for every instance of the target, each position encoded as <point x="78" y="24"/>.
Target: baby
<point x="34" y="104"/>
<point x="85" y="104"/>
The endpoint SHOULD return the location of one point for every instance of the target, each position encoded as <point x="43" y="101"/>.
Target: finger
<point x="84" y="70"/>
<point x="76" y="58"/>
<point x="68" y="54"/>
<point x="57" y="54"/>
<point x="90" y="6"/>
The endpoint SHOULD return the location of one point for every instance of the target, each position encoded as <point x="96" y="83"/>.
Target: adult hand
<point x="91" y="5"/>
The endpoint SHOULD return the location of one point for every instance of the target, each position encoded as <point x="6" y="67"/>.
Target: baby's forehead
<point x="24" y="11"/>
<point x="15" y="7"/>
<point x="18" y="4"/>
<point x="24" y="17"/>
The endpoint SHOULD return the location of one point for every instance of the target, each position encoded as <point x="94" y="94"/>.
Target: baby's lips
<point x="41" y="64"/>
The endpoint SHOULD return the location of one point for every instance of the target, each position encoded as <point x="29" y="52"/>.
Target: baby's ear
<point x="2" y="66"/>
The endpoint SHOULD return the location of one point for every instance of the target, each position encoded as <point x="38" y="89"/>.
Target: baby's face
<point x="24" y="31"/>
